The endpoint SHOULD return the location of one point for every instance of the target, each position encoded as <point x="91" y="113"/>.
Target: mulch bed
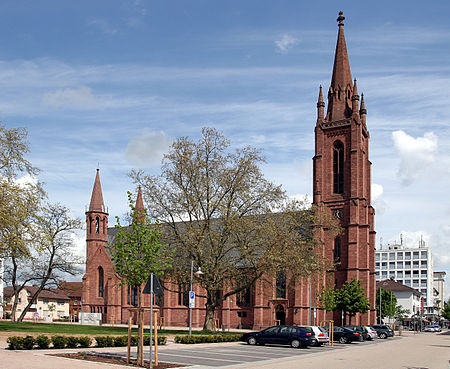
<point x="99" y="358"/>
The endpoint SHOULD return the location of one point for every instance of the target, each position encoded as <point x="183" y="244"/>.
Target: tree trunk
<point x="208" y="325"/>
<point x="139" y="354"/>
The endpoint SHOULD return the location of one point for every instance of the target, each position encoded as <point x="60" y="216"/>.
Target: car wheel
<point x="295" y="343"/>
<point x="383" y="335"/>
<point x="251" y="340"/>
<point x="343" y="340"/>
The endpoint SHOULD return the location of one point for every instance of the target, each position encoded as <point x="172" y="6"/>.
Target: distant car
<point x="344" y="335"/>
<point x="372" y="333"/>
<point x="432" y="328"/>
<point x="383" y="331"/>
<point x="281" y="335"/>
<point x="321" y="335"/>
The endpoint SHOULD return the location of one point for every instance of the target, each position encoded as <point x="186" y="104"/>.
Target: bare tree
<point x="53" y="256"/>
<point x="217" y="209"/>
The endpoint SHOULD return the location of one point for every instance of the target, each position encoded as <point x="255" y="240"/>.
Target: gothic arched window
<point x="97" y="225"/>
<point x="281" y="285"/>
<point x="100" y="281"/>
<point x="338" y="167"/>
<point x="337" y="249"/>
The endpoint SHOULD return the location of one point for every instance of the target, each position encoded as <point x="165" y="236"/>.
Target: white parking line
<point x="203" y="358"/>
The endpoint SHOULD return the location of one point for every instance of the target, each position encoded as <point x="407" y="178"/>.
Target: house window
<point x="100" y="281"/>
<point x="337" y="249"/>
<point x="338" y="167"/>
<point x="281" y="285"/>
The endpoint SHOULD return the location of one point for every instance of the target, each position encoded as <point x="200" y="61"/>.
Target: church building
<point x="341" y="187"/>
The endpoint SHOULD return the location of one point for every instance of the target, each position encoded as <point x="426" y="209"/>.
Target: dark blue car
<point x="280" y="335"/>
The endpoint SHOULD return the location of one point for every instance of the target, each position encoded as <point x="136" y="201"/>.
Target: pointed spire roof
<point x="320" y="99"/>
<point x="342" y="75"/>
<point x="97" y="196"/>
<point x="355" y="89"/>
<point x="139" y="208"/>
<point x="363" y="106"/>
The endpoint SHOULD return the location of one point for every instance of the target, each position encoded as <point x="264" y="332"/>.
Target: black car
<point x="359" y="329"/>
<point x="383" y="331"/>
<point x="281" y="335"/>
<point x="344" y="335"/>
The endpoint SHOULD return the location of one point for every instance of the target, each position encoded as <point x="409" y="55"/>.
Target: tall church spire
<point x="97" y="196"/>
<point x="340" y="93"/>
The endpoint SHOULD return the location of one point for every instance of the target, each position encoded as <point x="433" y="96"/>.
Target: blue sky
<point x="114" y="82"/>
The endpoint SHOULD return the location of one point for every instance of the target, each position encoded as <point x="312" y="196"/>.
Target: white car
<point x="321" y="335"/>
<point x="432" y="328"/>
<point x="371" y="333"/>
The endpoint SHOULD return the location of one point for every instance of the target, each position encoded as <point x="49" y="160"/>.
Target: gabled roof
<point x="72" y="289"/>
<point x="391" y="285"/>
<point x="54" y="294"/>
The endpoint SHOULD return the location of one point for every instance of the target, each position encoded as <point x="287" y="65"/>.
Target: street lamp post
<point x="198" y="272"/>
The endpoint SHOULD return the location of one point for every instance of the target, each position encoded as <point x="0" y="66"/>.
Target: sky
<point x="111" y="84"/>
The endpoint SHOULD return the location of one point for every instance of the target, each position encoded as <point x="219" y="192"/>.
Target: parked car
<point x="321" y="335"/>
<point x="281" y="335"/>
<point x="371" y="333"/>
<point x="360" y="329"/>
<point x="344" y="335"/>
<point x="383" y="331"/>
<point x="432" y="328"/>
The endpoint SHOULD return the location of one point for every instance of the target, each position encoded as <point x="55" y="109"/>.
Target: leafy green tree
<point x="388" y="303"/>
<point x="136" y="252"/>
<point x="217" y="209"/>
<point x="350" y="298"/>
<point x="446" y="311"/>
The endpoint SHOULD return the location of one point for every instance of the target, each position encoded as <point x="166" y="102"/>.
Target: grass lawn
<point x="76" y="328"/>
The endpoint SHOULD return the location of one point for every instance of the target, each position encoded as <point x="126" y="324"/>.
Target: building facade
<point x="412" y="267"/>
<point x="50" y="304"/>
<point x="438" y="291"/>
<point x="341" y="188"/>
<point x="407" y="297"/>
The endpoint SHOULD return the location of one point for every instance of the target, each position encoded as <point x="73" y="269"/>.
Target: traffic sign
<point x="191" y="299"/>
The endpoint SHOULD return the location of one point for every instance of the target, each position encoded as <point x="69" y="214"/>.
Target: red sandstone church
<point x="341" y="184"/>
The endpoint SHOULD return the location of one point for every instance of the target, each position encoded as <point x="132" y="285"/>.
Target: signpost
<point x="191" y="299"/>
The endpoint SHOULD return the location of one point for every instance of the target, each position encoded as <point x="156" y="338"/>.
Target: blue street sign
<point x="191" y="299"/>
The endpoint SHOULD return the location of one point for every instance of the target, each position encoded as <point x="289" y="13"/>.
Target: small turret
<point x="139" y="208"/>
<point x="362" y="110"/>
<point x="320" y="105"/>
<point x="355" y="98"/>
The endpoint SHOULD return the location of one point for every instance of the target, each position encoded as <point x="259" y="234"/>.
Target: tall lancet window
<point x="337" y="249"/>
<point x="100" y="281"/>
<point x="97" y="225"/>
<point x="338" y="167"/>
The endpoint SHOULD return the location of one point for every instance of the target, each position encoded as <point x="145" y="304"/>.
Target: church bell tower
<point x="341" y="178"/>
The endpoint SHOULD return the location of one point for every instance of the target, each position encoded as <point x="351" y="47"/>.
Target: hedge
<point x="208" y="339"/>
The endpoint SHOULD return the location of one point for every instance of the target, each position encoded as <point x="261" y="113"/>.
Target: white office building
<point x="412" y="267"/>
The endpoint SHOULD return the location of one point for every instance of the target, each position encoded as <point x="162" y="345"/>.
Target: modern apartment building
<point x="412" y="267"/>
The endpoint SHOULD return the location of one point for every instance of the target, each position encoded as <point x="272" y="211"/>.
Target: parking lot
<point x="223" y="355"/>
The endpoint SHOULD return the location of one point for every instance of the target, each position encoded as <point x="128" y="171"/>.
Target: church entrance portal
<point x="280" y="315"/>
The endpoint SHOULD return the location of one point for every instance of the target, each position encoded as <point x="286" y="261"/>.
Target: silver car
<point x="320" y="334"/>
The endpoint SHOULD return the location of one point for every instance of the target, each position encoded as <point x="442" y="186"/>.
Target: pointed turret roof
<point x="139" y="208"/>
<point x="342" y="76"/>
<point x="97" y="196"/>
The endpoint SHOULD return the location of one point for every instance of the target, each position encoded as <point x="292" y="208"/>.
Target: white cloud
<point x="415" y="154"/>
<point x="27" y="179"/>
<point x="75" y="98"/>
<point x="148" y="148"/>
<point x="285" y="43"/>
<point x="377" y="198"/>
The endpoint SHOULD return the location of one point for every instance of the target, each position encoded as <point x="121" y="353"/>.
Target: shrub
<point x="28" y="343"/>
<point x="15" y="343"/>
<point x="59" y="342"/>
<point x="85" y="341"/>
<point x="104" y="341"/>
<point x="208" y="338"/>
<point x="42" y="341"/>
<point x="120" y="341"/>
<point x="133" y="341"/>
<point x="72" y="342"/>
